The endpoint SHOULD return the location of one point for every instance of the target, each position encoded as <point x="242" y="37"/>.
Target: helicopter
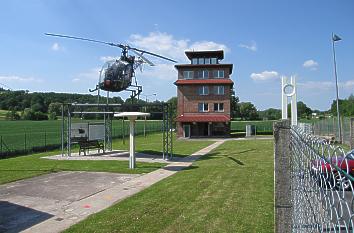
<point x="117" y="75"/>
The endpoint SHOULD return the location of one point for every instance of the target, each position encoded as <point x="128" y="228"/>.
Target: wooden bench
<point x="87" y="145"/>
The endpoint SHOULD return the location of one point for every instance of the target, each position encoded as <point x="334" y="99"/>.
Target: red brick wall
<point x="188" y="99"/>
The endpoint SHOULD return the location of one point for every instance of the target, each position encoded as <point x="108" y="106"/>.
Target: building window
<point x="203" y="90"/>
<point x="219" y="90"/>
<point x="207" y="61"/>
<point x="218" y="107"/>
<point x="187" y="74"/>
<point x="201" y="60"/>
<point x="218" y="73"/>
<point x="203" y="107"/>
<point x="214" y="60"/>
<point x="204" y="74"/>
<point x="194" y="61"/>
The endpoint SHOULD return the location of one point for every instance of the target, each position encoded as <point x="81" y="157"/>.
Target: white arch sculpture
<point x="288" y="89"/>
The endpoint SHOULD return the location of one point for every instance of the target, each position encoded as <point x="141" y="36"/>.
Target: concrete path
<point x="69" y="213"/>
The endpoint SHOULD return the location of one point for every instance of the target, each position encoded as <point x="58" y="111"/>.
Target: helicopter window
<point x="187" y="74"/>
<point x="195" y="61"/>
<point x="201" y="61"/>
<point x="214" y="60"/>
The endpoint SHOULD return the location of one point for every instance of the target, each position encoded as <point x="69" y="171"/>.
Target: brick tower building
<point x="203" y="93"/>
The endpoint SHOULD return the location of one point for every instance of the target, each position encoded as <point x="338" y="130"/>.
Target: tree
<point x="234" y="105"/>
<point x="173" y="102"/>
<point x="346" y="107"/>
<point x="248" y="111"/>
<point x="54" y="109"/>
<point x="302" y="110"/>
<point x="12" y="115"/>
<point x="270" y="114"/>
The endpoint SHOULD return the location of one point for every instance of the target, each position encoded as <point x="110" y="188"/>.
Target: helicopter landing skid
<point x="135" y="91"/>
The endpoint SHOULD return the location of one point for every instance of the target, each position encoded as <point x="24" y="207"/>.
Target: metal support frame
<point x="107" y="110"/>
<point x="167" y="131"/>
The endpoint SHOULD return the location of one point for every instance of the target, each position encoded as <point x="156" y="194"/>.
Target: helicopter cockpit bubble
<point x="116" y="75"/>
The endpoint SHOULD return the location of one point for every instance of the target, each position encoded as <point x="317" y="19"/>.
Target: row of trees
<point x="346" y="107"/>
<point x="42" y="106"/>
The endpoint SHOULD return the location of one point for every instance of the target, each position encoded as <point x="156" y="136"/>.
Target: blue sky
<point x="263" y="39"/>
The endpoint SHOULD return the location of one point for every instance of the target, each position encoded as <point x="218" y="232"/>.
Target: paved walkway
<point x="71" y="213"/>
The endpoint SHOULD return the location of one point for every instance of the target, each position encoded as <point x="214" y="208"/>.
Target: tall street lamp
<point x="336" y="38"/>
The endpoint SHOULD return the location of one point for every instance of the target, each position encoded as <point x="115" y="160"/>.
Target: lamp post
<point x="336" y="38"/>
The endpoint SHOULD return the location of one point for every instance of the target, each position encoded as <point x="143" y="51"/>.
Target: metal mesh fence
<point x="329" y="127"/>
<point x="46" y="139"/>
<point x="321" y="185"/>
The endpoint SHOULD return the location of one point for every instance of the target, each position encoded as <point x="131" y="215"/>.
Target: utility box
<point x="87" y="131"/>
<point x="250" y="130"/>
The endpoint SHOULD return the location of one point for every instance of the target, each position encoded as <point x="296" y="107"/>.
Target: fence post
<point x="45" y="140"/>
<point x="25" y="142"/>
<point x="282" y="177"/>
<point x="351" y="133"/>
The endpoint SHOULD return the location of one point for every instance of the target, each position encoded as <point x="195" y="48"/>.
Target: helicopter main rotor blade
<point x="152" y="54"/>
<point x="143" y="58"/>
<point x="85" y="39"/>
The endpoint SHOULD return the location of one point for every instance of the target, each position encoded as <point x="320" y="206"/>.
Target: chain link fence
<point x="12" y="144"/>
<point x="313" y="183"/>
<point x="329" y="128"/>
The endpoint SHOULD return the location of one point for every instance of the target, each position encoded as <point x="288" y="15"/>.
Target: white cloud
<point x="159" y="71"/>
<point x="348" y="85"/>
<point x="264" y="76"/>
<point x="56" y="47"/>
<point x="13" y="78"/>
<point x="108" y="58"/>
<point x="319" y="85"/>
<point x="252" y="46"/>
<point x="166" y="45"/>
<point x="326" y="85"/>
<point x="92" y="74"/>
<point x="310" y="64"/>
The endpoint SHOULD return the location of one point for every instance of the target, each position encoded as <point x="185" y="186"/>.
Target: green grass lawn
<point x="229" y="190"/>
<point x="22" y="167"/>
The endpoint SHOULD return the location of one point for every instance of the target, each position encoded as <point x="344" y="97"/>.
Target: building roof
<point x="216" y="53"/>
<point x="204" y="66"/>
<point x="226" y="81"/>
<point x="204" y="118"/>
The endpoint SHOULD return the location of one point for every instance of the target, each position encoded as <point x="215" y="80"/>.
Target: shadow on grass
<point x="236" y="161"/>
<point x="179" y="168"/>
<point x="154" y="152"/>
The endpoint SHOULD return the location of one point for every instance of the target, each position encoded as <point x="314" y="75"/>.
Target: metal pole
<point x="25" y="142"/>
<point x="132" y="144"/>
<point x="335" y="75"/>
<point x="123" y="131"/>
<point x="62" y="130"/>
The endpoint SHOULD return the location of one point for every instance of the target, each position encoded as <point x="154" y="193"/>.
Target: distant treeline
<point x="43" y="106"/>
